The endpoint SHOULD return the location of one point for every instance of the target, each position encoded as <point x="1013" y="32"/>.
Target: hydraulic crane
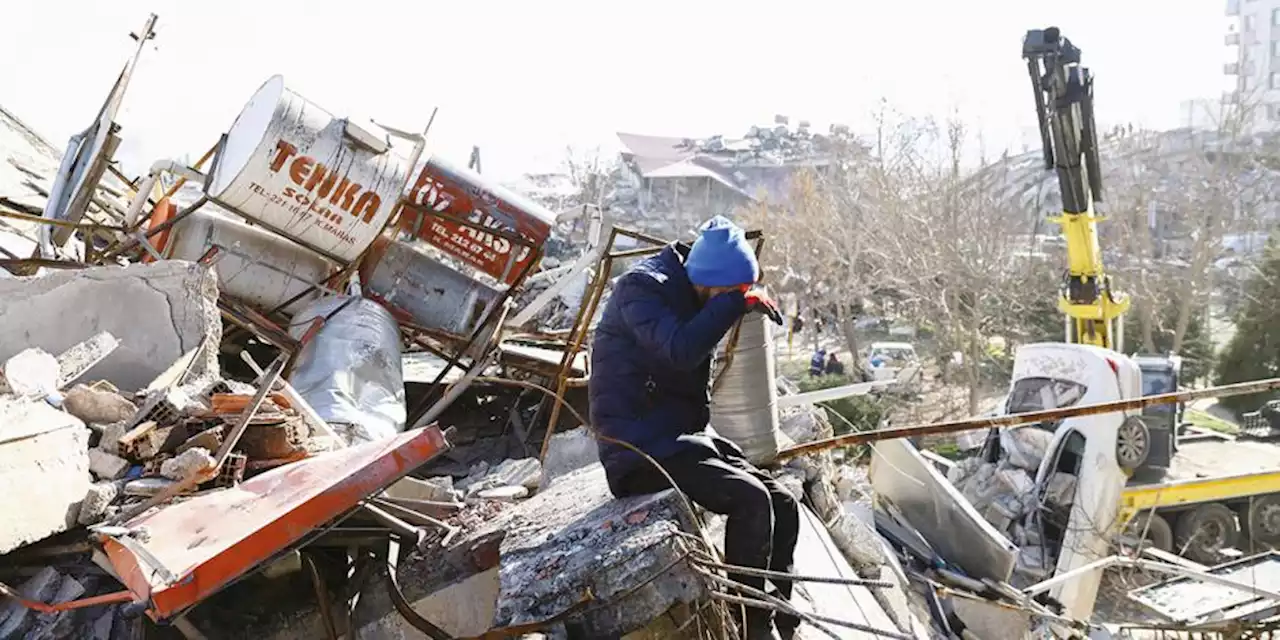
<point x="1064" y="104"/>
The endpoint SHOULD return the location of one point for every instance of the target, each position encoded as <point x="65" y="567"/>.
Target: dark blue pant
<point x="764" y="520"/>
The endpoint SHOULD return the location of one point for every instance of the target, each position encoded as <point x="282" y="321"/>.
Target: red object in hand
<point x="758" y="300"/>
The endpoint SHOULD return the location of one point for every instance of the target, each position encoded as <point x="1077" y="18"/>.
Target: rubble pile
<point x="1003" y="493"/>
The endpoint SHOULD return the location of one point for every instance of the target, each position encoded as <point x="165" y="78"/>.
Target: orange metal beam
<point x="195" y="548"/>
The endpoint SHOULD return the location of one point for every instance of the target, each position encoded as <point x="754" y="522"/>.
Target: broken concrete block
<point x="44" y="471"/>
<point x="1025" y="447"/>
<point x="103" y="625"/>
<point x="568" y="451"/>
<point x="1032" y="563"/>
<point x="31" y="372"/>
<point x="1062" y="489"/>
<point x="100" y="496"/>
<point x="51" y="626"/>
<point x="804" y="423"/>
<point x="158" y="311"/>
<point x="525" y="472"/>
<point x="431" y="489"/>
<point x="576" y="538"/>
<point x="1016" y="480"/>
<point x="187" y="464"/>
<point x="14" y="618"/>
<point x="83" y="356"/>
<point x="111" y="434"/>
<point x="503" y="494"/>
<point x="97" y="406"/>
<point x="209" y="439"/>
<point x="107" y="466"/>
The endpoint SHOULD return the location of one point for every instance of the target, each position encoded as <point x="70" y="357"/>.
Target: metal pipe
<point x="936" y="428"/>
<point x="36" y="605"/>
<point x="581" y="326"/>
<point x="395" y="524"/>
<point x="580" y="266"/>
<point x="143" y="195"/>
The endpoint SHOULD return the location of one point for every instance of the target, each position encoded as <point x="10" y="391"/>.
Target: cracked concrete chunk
<point x="568" y="451"/>
<point x="187" y="464"/>
<point x="1025" y="447"/>
<point x="574" y="538"/>
<point x="44" y="471"/>
<point x="158" y="312"/>
<point x="32" y="372"/>
<point x="430" y="489"/>
<point x="100" y="496"/>
<point x="97" y="406"/>
<point x="107" y="466"/>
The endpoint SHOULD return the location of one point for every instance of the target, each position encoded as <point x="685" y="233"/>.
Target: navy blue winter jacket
<point x="651" y="361"/>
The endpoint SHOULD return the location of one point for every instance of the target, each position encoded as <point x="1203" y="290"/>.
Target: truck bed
<point x="1208" y="470"/>
<point x="1204" y="459"/>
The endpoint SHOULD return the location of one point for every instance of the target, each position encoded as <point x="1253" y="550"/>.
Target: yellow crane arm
<point x="1064" y="106"/>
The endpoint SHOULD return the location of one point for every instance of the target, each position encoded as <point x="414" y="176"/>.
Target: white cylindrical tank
<point x="744" y="407"/>
<point x="278" y="270"/>
<point x="298" y="170"/>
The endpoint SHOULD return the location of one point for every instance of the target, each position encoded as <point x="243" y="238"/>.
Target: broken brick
<point x="209" y="439"/>
<point x="143" y="442"/>
<point x="231" y="473"/>
<point x="275" y="441"/>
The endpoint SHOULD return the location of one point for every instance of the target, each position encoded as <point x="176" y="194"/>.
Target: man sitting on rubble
<point x="650" y="373"/>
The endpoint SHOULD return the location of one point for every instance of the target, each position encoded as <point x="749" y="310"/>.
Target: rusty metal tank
<point x="443" y="193"/>
<point x="328" y="183"/>
<point x="257" y="267"/>
<point x="417" y="288"/>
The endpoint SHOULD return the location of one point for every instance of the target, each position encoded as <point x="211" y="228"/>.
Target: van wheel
<point x="1159" y="534"/>
<point x="1260" y="520"/>
<point x="1133" y="444"/>
<point x="1205" y="531"/>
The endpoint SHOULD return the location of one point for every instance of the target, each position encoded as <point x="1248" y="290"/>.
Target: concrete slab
<point x="574" y="538"/>
<point x="44" y="471"/>
<point x="818" y="555"/>
<point x="157" y="311"/>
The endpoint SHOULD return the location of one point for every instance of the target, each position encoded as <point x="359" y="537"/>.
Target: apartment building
<point x="1253" y="39"/>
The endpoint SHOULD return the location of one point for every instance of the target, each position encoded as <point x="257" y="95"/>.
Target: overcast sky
<point x="524" y="79"/>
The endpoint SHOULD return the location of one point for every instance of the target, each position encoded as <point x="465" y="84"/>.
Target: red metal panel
<point x="206" y="542"/>
<point x="443" y="191"/>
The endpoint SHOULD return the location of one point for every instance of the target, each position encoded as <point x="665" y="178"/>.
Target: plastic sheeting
<point x="350" y="372"/>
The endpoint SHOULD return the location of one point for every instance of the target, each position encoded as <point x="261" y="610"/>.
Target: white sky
<point x="524" y="79"/>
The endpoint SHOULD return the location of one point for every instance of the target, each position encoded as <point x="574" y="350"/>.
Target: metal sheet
<point x="205" y="543"/>
<point x="443" y="193"/>
<point x="418" y="288"/>
<point x="1186" y="599"/>
<point x="942" y="516"/>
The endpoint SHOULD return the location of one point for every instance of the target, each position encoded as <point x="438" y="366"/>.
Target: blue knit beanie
<point x="721" y="256"/>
